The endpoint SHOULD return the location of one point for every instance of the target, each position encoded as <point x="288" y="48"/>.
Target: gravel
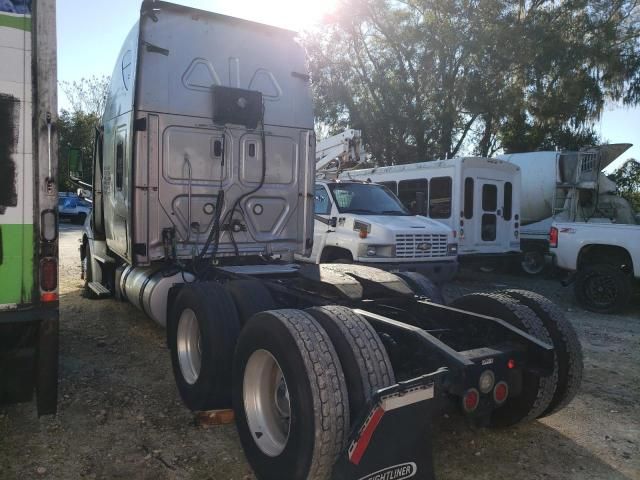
<point x="120" y="415"/>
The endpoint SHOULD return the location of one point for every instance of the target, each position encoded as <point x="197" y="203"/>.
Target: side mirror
<point x="333" y="222"/>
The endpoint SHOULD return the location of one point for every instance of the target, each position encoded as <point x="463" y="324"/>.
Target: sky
<point x="90" y="34"/>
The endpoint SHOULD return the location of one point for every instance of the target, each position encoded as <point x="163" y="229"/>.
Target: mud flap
<point x="392" y="439"/>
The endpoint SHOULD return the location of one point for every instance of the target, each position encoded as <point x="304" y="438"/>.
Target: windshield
<point x="366" y="198"/>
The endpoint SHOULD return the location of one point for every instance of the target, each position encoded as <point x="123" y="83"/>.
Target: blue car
<point x="73" y="207"/>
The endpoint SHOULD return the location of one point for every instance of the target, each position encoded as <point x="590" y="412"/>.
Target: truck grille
<point x="412" y="245"/>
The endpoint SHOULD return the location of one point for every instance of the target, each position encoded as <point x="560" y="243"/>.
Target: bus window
<point x="393" y="186"/>
<point x="468" y="198"/>
<point x="440" y="199"/>
<point x="508" y="201"/>
<point x="407" y="193"/>
<point x="489" y="197"/>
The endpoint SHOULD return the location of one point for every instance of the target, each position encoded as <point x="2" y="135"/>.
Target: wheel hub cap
<point x="267" y="403"/>
<point x="189" y="347"/>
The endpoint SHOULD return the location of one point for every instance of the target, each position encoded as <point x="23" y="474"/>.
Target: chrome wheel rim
<point x="266" y="403"/>
<point x="189" y="351"/>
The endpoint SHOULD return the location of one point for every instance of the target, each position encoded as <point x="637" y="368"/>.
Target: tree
<point x="75" y="130"/>
<point x="428" y="79"/>
<point x="88" y="95"/>
<point x="627" y="179"/>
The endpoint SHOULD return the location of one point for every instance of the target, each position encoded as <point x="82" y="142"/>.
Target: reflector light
<point x="511" y="364"/>
<point x="500" y="392"/>
<point x="48" y="274"/>
<point x="48" y="226"/>
<point x="487" y="379"/>
<point x="553" y="237"/>
<point x="363" y="233"/>
<point x="470" y="400"/>
<point x="49" y="297"/>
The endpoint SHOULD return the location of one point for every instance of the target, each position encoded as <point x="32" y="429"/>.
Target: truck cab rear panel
<point x="166" y="159"/>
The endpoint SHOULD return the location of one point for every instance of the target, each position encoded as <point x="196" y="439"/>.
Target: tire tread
<point x="327" y="384"/>
<point x="529" y="322"/>
<point x="373" y="362"/>
<point x="564" y="337"/>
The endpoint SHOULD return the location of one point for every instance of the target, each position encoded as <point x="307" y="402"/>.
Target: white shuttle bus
<point x="479" y="198"/>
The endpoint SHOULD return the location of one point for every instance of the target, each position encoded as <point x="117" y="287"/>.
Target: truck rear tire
<point x="202" y="331"/>
<point x="537" y="392"/>
<point x="364" y="360"/>
<point x="603" y="288"/>
<point x="250" y="297"/>
<point x="566" y="343"/>
<point x="422" y="286"/>
<point x="289" y="396"/>
<point x="47" y="367"/>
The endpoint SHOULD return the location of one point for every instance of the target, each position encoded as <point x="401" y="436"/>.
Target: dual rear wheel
<point x="539" y="317"/>
<point x="285" y="374"/>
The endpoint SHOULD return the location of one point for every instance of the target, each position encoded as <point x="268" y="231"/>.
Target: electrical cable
<point x="231" y="212"/>
<point x="214" y="234"/>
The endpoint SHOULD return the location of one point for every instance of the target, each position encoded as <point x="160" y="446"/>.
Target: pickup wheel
<point x="289" y="396"/>
<point x="422" y="286"/>
<point x="533" y="262"/>
<point x="565" y="342"/>
<point x="537" y="392"/>
<point x="202" y="331"/>
<point x="364" y="360"/>
<point x="603" y="288"/>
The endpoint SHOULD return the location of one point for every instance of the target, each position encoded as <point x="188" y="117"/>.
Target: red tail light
<point x="470" y="400"/>
<point x="49" y="297"/>
<point x="500" y="392"/>
<point x="553" y="237"/>
<point x="48" y="274"/>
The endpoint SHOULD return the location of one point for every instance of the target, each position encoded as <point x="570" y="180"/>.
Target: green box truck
<point x="28" y="204"/>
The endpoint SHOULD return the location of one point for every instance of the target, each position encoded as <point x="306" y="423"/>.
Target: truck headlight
<point x="452" y="249"/>
<point x="380" y="251"/>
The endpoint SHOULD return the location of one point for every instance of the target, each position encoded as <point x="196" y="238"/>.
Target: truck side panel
<point x="16" y="162"/>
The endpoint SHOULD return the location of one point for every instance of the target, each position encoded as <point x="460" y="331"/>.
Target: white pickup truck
<point x="605" y="260"/>
<point x="365" y="223"/>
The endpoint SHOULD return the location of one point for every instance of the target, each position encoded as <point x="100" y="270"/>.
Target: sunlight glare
<point x="292" y="14"/>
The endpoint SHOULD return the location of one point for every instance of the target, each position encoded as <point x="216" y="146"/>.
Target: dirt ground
<point x="120" y="415"/>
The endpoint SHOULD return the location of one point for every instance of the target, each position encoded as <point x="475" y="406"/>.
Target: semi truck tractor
<point x="28" y="203"/>
<point x="567" y="187"/>
<point x="204" y="177"/>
